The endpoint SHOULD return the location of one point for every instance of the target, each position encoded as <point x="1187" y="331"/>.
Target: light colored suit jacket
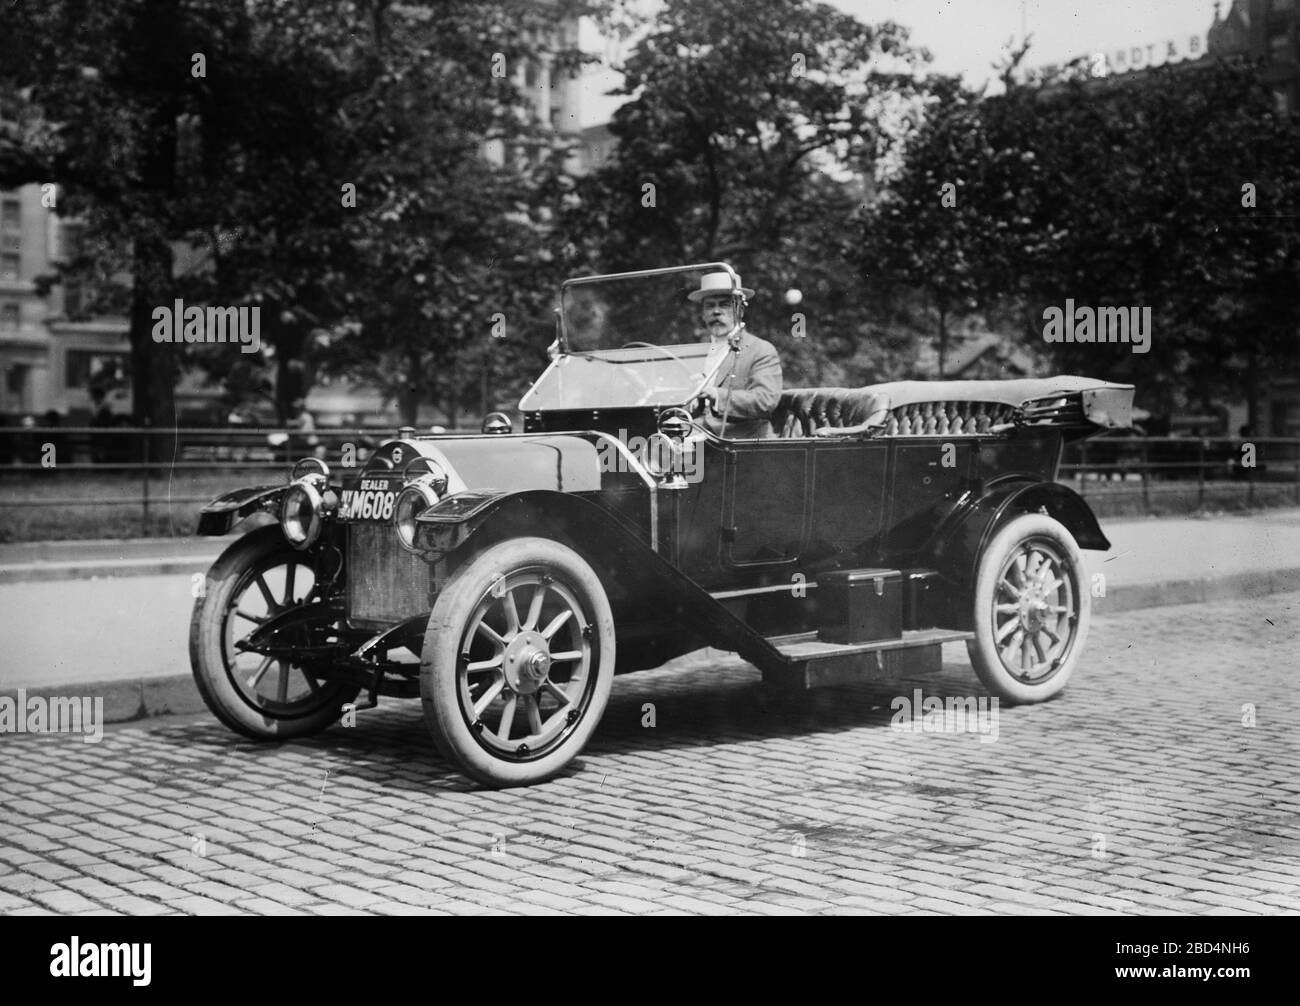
<point x="749" y="387"/>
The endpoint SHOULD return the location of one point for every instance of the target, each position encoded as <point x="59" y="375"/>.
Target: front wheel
<point x="517" y="663"/>
<point x="1031" y="610"/>
<point x="259" y="576"/>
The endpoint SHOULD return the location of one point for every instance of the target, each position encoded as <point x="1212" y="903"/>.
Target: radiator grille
<point x="386" y="583"/>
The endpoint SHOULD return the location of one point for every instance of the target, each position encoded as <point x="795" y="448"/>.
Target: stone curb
<point x="128" y="700"/>
<point x="45" y="572"/>
<point x="176" y="694"/>
<point x="1197" y="590"/>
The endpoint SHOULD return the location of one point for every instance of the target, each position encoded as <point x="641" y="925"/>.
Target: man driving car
<point x="747" y="385"/>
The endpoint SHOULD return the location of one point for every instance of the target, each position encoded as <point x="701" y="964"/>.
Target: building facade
<point x="1268" y="30"/>
<point x="49" y="364"/>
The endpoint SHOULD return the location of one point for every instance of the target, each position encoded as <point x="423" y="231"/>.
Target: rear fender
<point x="972" y="527"/>
<point x="1061" y="503"/>
<point x="232" y="508"/>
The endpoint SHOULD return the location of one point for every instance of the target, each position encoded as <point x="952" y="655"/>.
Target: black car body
<point x="506" y="577"/>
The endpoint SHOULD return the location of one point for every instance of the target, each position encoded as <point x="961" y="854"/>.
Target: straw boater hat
<point x="718" y="283"/>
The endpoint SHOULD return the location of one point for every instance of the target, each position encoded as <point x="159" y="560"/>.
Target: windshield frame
<point x="694" y="392"/>
<point x="563" y="350"/>
<point x="635" y="274"/>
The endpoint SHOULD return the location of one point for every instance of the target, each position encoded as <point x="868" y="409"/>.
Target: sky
<point x="969" y="36"/>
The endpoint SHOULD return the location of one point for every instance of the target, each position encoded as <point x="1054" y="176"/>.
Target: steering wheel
<point x="668" y="353"/>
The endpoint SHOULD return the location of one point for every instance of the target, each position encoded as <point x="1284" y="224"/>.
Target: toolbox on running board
<point x="860" y="605"/>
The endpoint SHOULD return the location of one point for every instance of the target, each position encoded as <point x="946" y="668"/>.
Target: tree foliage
<point x="752" y="135"/>
<point x="208" y="144"/>
<point x="1124" y="192"/>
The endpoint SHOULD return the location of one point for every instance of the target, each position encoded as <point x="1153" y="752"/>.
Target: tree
<point x="200" y="129"/>
<point x="237" y="133"/>
<point x="453" y="263"/>
<point x="1125" y="192"/>
<point x="925" y="232"/>
<point x="751" y="135"/>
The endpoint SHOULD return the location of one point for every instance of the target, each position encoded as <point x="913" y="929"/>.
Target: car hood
<point x="499" y="462"/>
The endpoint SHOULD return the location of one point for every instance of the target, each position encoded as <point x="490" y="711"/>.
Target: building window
<point x="11" y="215"/>
<point x="1279" y="44"/>
<point x="1286" y="419"/>
<point x="87" y="368"/>
<point x="68" y="240"/>
<point x="9" y="317"/>
<point x="74" y="297"/>
<point x="11" y="224"/>
<point x="9" y="265"/>
<point x="16" y="379"/>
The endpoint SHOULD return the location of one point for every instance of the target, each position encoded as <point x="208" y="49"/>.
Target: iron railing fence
<point x="73" y="448"/>
<point x="1155" y="466"/>
<point x="1134" y="467"/>
<point x="107" y="460"/>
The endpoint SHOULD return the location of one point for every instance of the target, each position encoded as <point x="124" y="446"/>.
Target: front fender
<point x="447" y="525"/>
<point x="229" y="509"/>
<point x="637" y="580"/>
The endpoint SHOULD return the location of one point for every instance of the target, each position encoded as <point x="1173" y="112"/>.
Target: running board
<point x="778" y="588"/>
<point x="811" y="662"/>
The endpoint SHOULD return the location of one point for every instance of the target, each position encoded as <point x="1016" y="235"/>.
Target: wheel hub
<point x="527" y="662"/>
<point x="1033" y="606"/>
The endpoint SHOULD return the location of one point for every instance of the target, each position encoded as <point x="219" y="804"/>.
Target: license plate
<point x="367" y="504"/>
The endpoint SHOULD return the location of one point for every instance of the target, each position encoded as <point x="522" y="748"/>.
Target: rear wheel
<point x="517" y="663"/>
<point x="1031" y="610"/>
<point x="259" y="576"/>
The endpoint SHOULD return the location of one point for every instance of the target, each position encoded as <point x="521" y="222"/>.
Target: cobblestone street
<point x="1166" y="779"/>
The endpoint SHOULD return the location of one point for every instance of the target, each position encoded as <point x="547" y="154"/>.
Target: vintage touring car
<point x="506" y="577"/>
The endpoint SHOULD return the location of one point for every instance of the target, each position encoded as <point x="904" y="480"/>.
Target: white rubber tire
<point x="210" y="658"/>
<point x="450" y="722"/>
<point x="1052" y="542"/>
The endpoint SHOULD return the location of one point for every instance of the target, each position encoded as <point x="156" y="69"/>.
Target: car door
<point x="765" y="507"/>
<point x="848" y="496"/>
<point x="929" y="475"/>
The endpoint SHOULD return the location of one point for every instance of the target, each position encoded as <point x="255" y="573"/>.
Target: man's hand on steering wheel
<point x="703" y="404"/>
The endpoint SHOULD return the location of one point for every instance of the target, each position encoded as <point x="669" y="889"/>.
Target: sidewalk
<point x="1155" y="562"/>
<point x="29" y="562"/>
<point x="112" y="618"/>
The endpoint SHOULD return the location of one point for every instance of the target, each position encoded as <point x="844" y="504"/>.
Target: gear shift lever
<point x="733" y="343"/>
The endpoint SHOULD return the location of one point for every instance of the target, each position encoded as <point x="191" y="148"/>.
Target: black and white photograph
<point x="651" y="458"/>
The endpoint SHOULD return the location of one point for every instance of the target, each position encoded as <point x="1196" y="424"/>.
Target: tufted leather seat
<point x="810" y="412"/>
<point x="802" y="412"/>
<point x="942" y="419"/>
